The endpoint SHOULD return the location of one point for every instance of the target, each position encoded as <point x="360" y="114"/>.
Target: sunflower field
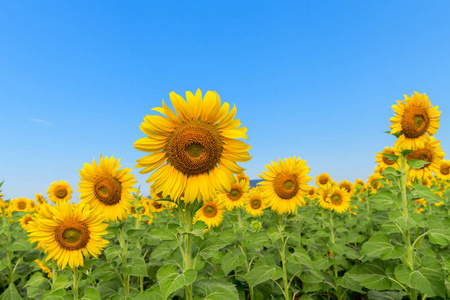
<point x="204" y="233"/>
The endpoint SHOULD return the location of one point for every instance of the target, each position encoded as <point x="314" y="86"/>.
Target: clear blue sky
<point x="314" y="79"/>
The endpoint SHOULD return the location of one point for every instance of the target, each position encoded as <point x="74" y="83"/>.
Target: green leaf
<point x="261" y="274"/>
<point x="3" y="264"/>
<point x="375" y="295"/>
<point x="36" y="280"/>
<point x="416" y="164"/>
<point x="164" y="234"/>
<point x="154" y="293"/>
<point x="379" y="246"/>
<point x="439" y="236"/>
<point x="134" y="235"/>
<point x="428" y="281"/>
<point x="10" y="293"/>
<point x="171" y="281"/>
<point x="422" y="191"/>
<point x="382" y="200"/>
<point x="113" y="252"/>
<point x="137" y="267"/>
<point x="162" y="251"/>
<point x="62" y="282"/>
<point x="300" y="256"/>
<point x="231" y="261"/>
<point x="405" y="223"/>
<point x="348" y="283"/>
<point x="274" y="235"/>
<point x="91" y="294"/>
<point x="311" y="275"/>
<point x="402" y="274"/>
<point x="20" y="245"/>
<point x="372" y="275"/>
<point x="213" y="289"/>
<point x="104" y="272"/>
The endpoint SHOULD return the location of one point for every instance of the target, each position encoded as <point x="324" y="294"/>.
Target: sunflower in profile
<point x="323" y="192"/>
<point x="384" y="162"/>
<point x="157" y="206"/>
<point x="323" y="179"/>
<point x="348" y="186"/>
<point x="374" y="183"/>
<point x="40" y="200"/>
<point x="195" y="149"/>
<point x="338" y="199"/>
<point x="432" y="153"/>
<point x="415" y="120"/>
<point x="360" y="186"/>
<point x="285" y="184"/>
<point x="444" y="170"/>
<point x="59" y="191"/>
<point x="25" y="220"/>
<point x="44" y="268"/>
<point x="254" y="203"/>
<point x="234" y="198"/>
<point x="106" y="188"/>
<point x="243" y="180"/>
<point x="71" y="234"/>
<point x="211" y="213"/>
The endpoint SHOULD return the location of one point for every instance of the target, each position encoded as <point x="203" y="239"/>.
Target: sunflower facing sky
<point x="338" y="199"/>
<point x="193" y="149"/>
<point x="106" y="188"/>
<point x="59" y="191"/>
<point x="285" y="184"/>
<point x="211" y="212"/>
<point x="73" y="231"/>
<point x="444" y="170"/>
<point x="415" y="120"/>
<point x="385" y="162"/>
<point x="254" y="203"/>
<point x="234" y="198"/>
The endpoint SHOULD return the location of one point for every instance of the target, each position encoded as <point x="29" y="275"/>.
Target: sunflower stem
<point x="54" y="272"/>
<point x="283" y="258"/>
<point x="239" y="217"/>
<point x="123" y="257"/>
<point x="409" y="249"/>
<point x="75" y="283"/>
<point x="333" y="242"/>
<point x="187" y="246"/>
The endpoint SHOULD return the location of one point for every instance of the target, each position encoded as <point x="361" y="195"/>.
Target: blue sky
<point x="314" y="79"/>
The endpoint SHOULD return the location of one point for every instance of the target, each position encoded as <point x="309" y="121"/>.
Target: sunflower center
<point x="311" y="192"/>
<point x="256" y="203"/>
<point x="336" y="199"/>
<point x="323" y="180"/>
<point x="157" y="205"/>
<point x="445" y="169"/>
<point x="234" y="194"/>
<point x="285" y="186"/>
<point x="194" y="147"/>
<point x="72" y="235"/>
<point x="346" y="186"/>
<point x="415" y="122"/>
<point x="27" y="219"/>
<point x="22" y="205"/>
<point x="210" y="210"/>
<point x="421" y="154"/>
<point x="60" y="192"/>
<point x="387" y="161"/>
<point x="108" y="190"/>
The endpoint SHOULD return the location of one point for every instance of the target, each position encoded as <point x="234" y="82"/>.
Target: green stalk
<point x="283" y="259"/>
<point x="54" y="272"/>
<point x="123" y="257"/>
<point x="409" y="249"/>
<point x="187" y="246"/>
<point x="75" y="283"/>
<point x="333" y="241"/>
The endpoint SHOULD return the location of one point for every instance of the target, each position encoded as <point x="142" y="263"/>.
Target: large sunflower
<point x="211" y="212"/>
<point x="59" y="191"/>
<point x="414" y="120"/>
<point x="106" y="188"/>
<point x="285" y="184"/>
<point x="430" y="152"/>
<point x="194" y="149"/>
<point x="73" y="231"/>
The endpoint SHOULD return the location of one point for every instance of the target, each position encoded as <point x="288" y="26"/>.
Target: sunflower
<point x="312" y="193"/>
<point x="348" y="186"/>
<point x="323" y="199"/>
<point x="254" y="203"/>
<point x="211" y="213"/>
<point x="360" y="186"/>
<point x="157" y="206"/>
<point x="106" y="188"/>
<point x="444" y="170"/>
<point x="21" y="204"/>
<point x="384" y="162"/>
<point x="25" y="220"/>
<point x="40" y="199"/>
<point x="234" y="198"/>
<point x="194" y="150"/>
<point x="414" y="120"/>
<point x="374" y="183"/>
<point x="285" y="184"/>
<point x="59" y="191"/>
<point x="338" y="199"/>
<point x="323" y="179"/>
<point x="431" y="152"/>
<point x="243" y="180"/>
<point x="44" y="268"/>
<point x="72" y="233"/>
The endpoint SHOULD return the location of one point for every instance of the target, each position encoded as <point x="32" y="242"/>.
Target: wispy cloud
<point x="41" y="121"/>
